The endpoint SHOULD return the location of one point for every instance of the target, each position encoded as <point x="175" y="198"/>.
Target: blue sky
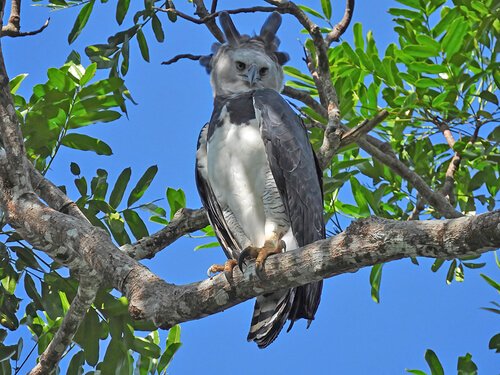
<point x="351" y="334"/>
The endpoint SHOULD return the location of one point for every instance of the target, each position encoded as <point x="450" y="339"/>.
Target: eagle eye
<point x="240" y="65"/>
<point x="263" y="71"/>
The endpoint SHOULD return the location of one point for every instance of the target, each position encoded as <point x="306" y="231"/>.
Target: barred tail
<point x="270" y="314"/>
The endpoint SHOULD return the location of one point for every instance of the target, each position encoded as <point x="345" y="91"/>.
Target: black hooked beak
<point x="252" y="74"/>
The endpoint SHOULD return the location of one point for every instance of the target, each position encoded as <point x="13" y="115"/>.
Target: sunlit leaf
<point x="81" y="21"/>
<point x="86" y="143"/>
<point x="433" y="362"/>
<point x="142" y="185"/>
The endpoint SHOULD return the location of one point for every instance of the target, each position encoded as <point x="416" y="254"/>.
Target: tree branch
<point x="84" y="298"/>
<point x="13" y="27"/>
<point x="341" y="27"/>
<point x="185" y="221"/>
<point x="365" y="243"/>
<point x="188" y="56"/>
<point x="202" y="11"/>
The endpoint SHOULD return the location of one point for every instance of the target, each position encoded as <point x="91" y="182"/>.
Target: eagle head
<point x="245" y="63"/>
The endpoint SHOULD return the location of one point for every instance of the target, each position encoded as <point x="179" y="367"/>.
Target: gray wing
<point x="299" y="181"/>
<point x="293" y="165"/>
<point x="209" y="201"/>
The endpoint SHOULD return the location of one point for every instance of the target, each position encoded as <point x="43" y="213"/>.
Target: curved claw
<point x="244" y="255"/>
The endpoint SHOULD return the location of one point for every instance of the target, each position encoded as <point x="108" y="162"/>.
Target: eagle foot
<point x="260" y="254"/>
<point x="227" y="268"/>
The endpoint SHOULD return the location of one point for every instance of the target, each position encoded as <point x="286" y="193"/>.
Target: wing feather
<point x="209" y="201"/>
<point x="299" y="181"/>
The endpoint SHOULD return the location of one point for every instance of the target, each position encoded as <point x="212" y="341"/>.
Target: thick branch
<point x="185" y="221"/>
<point x="341" y="27"/>
<point x="365" y="243"/>
<point x="85" y="296"/>
<point x="202" y="11"/>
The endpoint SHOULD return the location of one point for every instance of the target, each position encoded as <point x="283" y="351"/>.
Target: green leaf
<point x="75" y="168"/>
<point x="88" y="336"/>
<point x="489" y="96"/>
<point x="466" y="366"/>
<point x="142" y="185"/>
<point x="173" y="344"/>
<point x="121" y="10"/>
<point x="454" y="37"/>
<point x="451" y="272"/>
<point x="176" y="200"/>
<point x="86" y="143"/>
<point x="157" y="28"/>
<point x="437" y="264"/>
<point x="375" y="279"/>
<point x="143" y="45"/>
<point x="311" y="11"/>
<point x="89" y="74"/>
<point x="207" y="246"/>
<point x="32" y="292"/>
<point x="81" y="21"/>
<point x="7" y="352"/>
<point x="359" y="41"/>
<point x="172" y="16"/>
<point x="494" y="343"/>
<point x="416" y="372"/>
<point x="75" y="366"/>
<point x="433" y="362"/>
<point x="492" y="282"/>
<point x="81" y="185"/>
<point x="411" y="3"/>
<point x="119" y="189"/>
<point x="327" y="8"/>
<point x="16" y="82"/>
<point x="146" y="347"/>
<point x="424" y="51"/>
<point x="135" y="224"/>
<point x="359" y="192"/>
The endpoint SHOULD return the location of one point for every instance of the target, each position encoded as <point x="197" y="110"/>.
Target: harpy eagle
<point x="256" y="172"/>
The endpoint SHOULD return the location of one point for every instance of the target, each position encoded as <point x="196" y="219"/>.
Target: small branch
<point x="9" y="30"/>
<point x="84" y="298"/>
<point x="304" y="97"/>
<point x="419" y="207"/>
<point x="213" y="8"/>
<point x="335" y="138"/>
<point x="184" y="221"/>
<point x="437" y="200"/>
<point x="353" y="134"/>
<point x="52" y="195"/>
<point x="201" y="11"/>
<point x="212" y="16"/>
<point x="182" y="56"/>
<point x="341" y="27"/>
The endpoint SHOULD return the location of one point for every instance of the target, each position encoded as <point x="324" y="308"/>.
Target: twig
<point x="213" y="15"/>
<point x="305" y="98"/>
<point x="213" y="8"/>
<point x="7" y="30"/>
<point x="419" y="207"/>
<point x="87" y="290"/>
<point x="184" y="221"/>
<point x="353" y="134"/>
<point x="436" y="199"/>
<point x="13" y="27"/>
<point x="341" y="27"/>
<point x="182" y="56"/>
